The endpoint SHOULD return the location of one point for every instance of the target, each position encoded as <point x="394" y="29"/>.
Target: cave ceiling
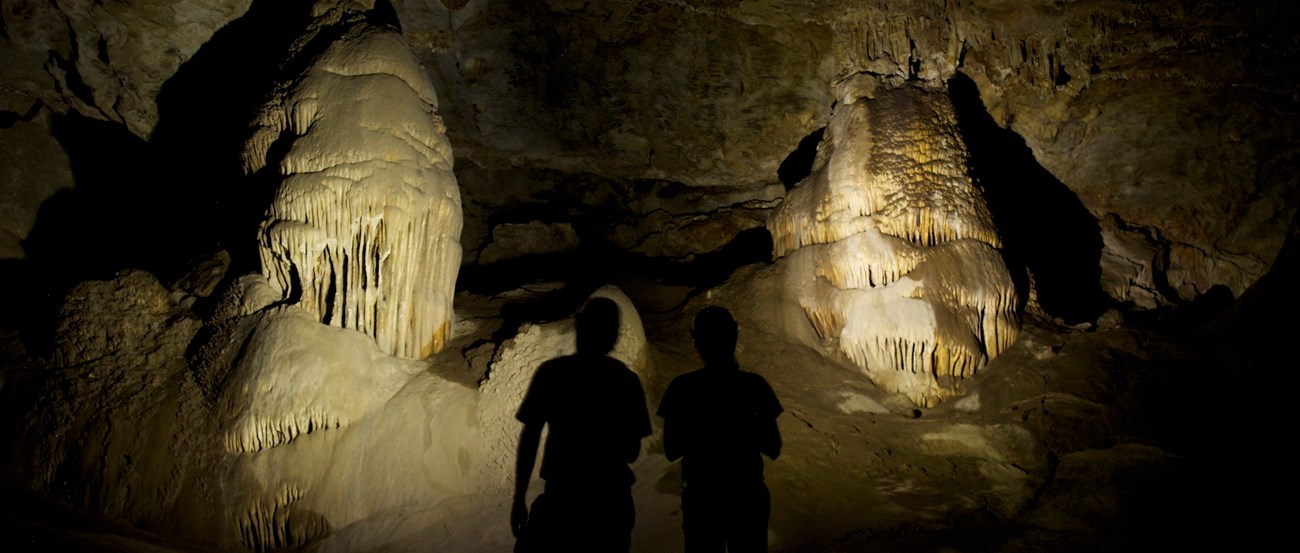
<point x="1165" y="119"/>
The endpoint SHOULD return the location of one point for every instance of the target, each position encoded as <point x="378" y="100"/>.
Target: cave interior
<point x="1133" y="164"/>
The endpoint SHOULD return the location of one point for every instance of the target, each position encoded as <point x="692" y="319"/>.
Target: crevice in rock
<point x="1053" y="463"/>
<point x="595" y="263"/>
<point x="10" y="118"/>
<point x="71" y="76"/>
<point x="798" y="165"/>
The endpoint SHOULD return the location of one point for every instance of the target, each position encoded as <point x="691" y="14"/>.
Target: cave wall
<point x="1166" y="121"/>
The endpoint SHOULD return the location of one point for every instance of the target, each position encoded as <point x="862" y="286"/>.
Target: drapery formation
<point x="364" y="229"/>
<point x="891" y="250"/>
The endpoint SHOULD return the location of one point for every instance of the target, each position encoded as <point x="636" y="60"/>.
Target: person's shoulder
<point x="690" y="378"/>
<point x="556" y="362"/>
<point x="551" y="366"/>
<point x="560" y="369"/>
<point x="605" y="365"/>
<point x="624" y="373"/>
<point x="684" y="384"/>
<point x="759" y="389"/>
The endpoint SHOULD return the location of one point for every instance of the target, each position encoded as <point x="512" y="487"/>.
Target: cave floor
<point x="1075" y="439"/>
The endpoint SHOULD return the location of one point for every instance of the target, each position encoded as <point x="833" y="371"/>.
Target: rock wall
<point x="644" y="89"/>
<point x="1169" y="116"/>
<point x="1166" y="117"/>
<point x="103" y="60"/>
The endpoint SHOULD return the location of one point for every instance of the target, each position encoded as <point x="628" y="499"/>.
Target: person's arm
<point x="529" y="439"/>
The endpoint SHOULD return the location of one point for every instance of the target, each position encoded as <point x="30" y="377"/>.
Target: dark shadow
<point x="1044" y="226"/>
<point x="720" y="421"/>
<point x="110" y="221"/>
<point x="706" y="270"/>
<point x="598" y="262"/>
<point x="158" y="204"/>
<point x="595" y="412"/>
<point x="205" y="111"/>
<point x="1260" y="320"/>
<point x="798" y="165"/>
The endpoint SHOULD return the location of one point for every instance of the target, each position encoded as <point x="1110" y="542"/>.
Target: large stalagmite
<point x="890" y="248"/>
<point x="364" y="229"/>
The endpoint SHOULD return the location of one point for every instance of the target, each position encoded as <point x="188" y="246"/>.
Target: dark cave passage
<point x="798" y="165"/>
<point x="598" y="262"/>
<point x="1046" y="230"/>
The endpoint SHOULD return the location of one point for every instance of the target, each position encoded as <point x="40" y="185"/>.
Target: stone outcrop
<point x="104" y="60"/>
<point x="1175" y="130"/>
<point x="117" y="401"/>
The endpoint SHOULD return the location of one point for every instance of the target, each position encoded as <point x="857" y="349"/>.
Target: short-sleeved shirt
<point x="595" y="409"/>
<point x="721" y="414"/>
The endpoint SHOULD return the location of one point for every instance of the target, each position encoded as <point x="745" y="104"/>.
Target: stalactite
<point x="255" y="434"/>
<point x="272" y="524"/>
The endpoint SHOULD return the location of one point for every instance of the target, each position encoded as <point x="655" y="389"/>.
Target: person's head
<point x="715" y="335"/>
<point x="597" y="326"/>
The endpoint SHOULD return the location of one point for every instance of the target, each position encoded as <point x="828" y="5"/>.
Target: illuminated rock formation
<point x="316" y="428"/>
<point x="295" y="377"/>
<point x="891" y="251"/>
<point x="405" y="437"/>
<point x="364" y="229"/>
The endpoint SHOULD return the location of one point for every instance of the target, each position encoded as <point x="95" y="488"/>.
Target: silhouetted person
<point x="719" y="420"/>
<point x="595" y="411"/>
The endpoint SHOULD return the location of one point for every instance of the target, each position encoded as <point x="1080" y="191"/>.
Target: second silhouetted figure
<point x="719" y="420"/>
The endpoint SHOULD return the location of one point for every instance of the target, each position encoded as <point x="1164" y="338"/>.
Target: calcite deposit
<point x="891" y="250"/>
<point x="364" y="229"/>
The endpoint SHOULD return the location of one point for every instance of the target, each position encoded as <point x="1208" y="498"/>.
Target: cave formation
<point x="276" y="273"/>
